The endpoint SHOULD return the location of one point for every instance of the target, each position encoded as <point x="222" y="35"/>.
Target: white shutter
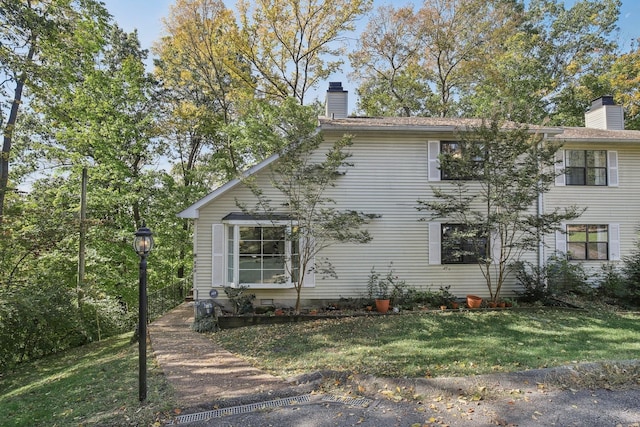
<point x="560" y="177"/>
<point x="435" y="237"/>
<point x="433" y="151"/>
<point x="614" y="242"/>
<point x="309" y="280"/>
<point x="612" y="168"/>
<point x="217" y="252"/>
<point x="561" y="240"/>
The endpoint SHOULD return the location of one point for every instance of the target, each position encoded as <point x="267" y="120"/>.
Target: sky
<point x="146" y="16"/>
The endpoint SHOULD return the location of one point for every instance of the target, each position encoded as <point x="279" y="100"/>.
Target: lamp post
<point x="142" y="243"/>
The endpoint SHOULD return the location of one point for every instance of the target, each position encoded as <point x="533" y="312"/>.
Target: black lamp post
<point x="142" y="243"/>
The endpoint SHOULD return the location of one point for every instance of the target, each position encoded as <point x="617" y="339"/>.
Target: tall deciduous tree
<point x="106" y="119"/>
<point x="549" y="68"/>
<point x="460" y="36"/>
<point x="294" y="45"/>
<point x="37" y="41"/>
<point x="624" y="79"/>
<point x="496" y="177"/>
<point x="387" y="62"/>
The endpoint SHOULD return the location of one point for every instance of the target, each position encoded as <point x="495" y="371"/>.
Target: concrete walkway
<point x="201" y="373"/>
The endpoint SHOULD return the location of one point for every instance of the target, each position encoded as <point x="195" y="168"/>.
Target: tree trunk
<point x="8" y="134"/>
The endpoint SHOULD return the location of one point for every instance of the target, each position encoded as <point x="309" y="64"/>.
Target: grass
<point x="92" y="385"/>
<point x="97" y="385"/>
<point x="439" y="344"/>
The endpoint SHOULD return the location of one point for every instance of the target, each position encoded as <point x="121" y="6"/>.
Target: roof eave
<point x="193" y="211"/>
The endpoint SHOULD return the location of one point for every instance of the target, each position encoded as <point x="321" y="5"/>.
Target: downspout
<point x="540" y="211"/>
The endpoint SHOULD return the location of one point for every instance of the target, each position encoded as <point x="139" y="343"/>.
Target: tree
<point x="39" y="39"/>
<point x="496" y="177"/>
<point x="549" y="65"/>
<point x="288" y="42"/>
<point x="387" y="63"/>
<point x="303" y="181"/>
<point x="624" y="79"/>
<point x="461" y="36"/>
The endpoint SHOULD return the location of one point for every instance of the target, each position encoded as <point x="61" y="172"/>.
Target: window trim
<point x="586" y="168"/>
<point x="471" y="259"/>
<point x="236" y="224"/>
<point x="611" y="175"/>
<point x="613" y="242"/>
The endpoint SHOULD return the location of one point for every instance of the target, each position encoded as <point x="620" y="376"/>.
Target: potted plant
<point x="474" y="301"/>
<point x="378" y="289"/>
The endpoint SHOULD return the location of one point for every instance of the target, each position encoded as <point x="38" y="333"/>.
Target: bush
<point x="104" y="316"/>
<point x="241" y="302"/>
<point x="629" y="294"/>
<point x="35" y="321"/>
<point x="533" y="280"/>
<point x="566" y="278"/>
<point x="557" y="278"/>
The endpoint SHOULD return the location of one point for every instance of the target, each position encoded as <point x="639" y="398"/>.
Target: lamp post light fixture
<point x="142" y="243"/>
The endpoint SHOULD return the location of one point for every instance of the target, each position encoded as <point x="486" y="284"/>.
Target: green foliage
<point x="205" y="324"/>
<point x="37" y="320"/>
<point x="566" y="278"/>
<point x="388" y="287"/>
<point x="303" y="182"/>
<point x="241" y="301"/>
<point x="495" y="179"/>
<point x="556" y="278"/>
<point x="532" y="279"/>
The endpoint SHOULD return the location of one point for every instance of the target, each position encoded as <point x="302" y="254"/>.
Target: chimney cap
<point x="601" y="101"/>
<point x="335" y="87"/>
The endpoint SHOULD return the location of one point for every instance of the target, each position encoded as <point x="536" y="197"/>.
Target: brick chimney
<point x="337" y="102"/>
<point x="604" y="114"/>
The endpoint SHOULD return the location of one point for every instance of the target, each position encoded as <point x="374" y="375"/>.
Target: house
<point x="395" y="164"/>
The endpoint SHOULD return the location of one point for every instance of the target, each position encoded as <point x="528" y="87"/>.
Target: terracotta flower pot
<point x="473" y="301"/>
<point x="382" y="305"/>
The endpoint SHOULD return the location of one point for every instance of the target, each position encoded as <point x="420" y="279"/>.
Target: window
<point x="452" y="153"/>
<point x="586" y="167"/>
<point x="460" y="246"/>
<point x="588" y="242"/>
<point x="260" y="254"/>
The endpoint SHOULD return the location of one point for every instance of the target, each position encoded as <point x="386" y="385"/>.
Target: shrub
<point x="630" y="292"/>
<point x="533" y="280"/>
<point x="241" y="302"/>
<point x="564" y="277"/>
<point x="35" y="321"/>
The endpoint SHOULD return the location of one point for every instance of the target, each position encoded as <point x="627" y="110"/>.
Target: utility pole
<point x="83" y="236"/>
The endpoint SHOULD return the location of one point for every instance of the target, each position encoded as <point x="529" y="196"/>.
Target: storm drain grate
<point x="353" y="401"/>
<point x="243" y="409"/>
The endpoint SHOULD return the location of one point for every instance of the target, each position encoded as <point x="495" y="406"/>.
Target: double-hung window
<point x="586" y="167"/>
<point x="588" y="241"/>
<point x="462" y="246"/>
<point x="452" y="154"/>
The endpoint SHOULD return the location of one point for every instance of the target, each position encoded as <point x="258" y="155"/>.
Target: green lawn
<point x="98" y="384"/>
<point x="93" y="385"/>
<point x="439" y="344"/>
